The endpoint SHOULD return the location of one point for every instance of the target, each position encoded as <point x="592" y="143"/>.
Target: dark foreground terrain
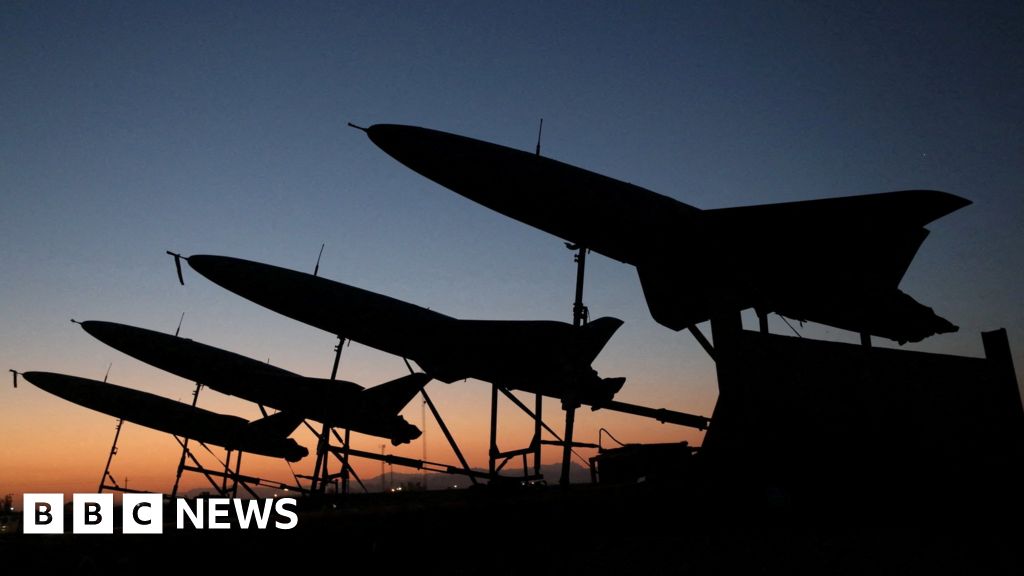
<point x="635" y="529"/>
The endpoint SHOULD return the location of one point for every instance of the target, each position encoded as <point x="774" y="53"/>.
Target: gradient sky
<point x="127" y="129"/>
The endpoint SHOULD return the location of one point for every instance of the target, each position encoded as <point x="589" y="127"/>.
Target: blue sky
<point x="127" y="129"/>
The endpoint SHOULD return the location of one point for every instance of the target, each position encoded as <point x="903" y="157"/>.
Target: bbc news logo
<point x="143" y="513"/>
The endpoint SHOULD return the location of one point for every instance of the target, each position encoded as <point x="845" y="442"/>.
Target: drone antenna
<point x="316" y="270"/>
<point x="539" y="131"/>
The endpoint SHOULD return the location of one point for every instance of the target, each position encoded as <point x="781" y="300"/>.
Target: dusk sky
<point x="128" y="129"/>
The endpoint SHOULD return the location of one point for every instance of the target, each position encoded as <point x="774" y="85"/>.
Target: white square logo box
<point x="42" y="513"/>
<point x="92" y="514"/>
<point x="142" y="514"/>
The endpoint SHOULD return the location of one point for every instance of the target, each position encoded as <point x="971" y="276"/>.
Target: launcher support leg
<point x="579" y="310"/>
<point x="570" y="419"/>
<point x="321" y="460"/>
<point x="579" y="318"/>
<point x="110" y="458"/>
<point x="198" y="466"/>
<point x="184" y="445"/>
<point x="537" y="422"/>
<point x="234" y="479"/>
<point x="447" y="434"/>
<point x="493" y="452"/>
<point x="351" y="471"/>
<point x="344" y="464"/>
<point x="227" y="472"/>
<point x="319" y="480"/>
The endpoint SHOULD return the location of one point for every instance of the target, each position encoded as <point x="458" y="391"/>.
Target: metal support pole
<point x="344" y="464"/>
<point x="526" y="410"/>
<point x="320" y="473"/>
<point x="320" y="452"/>
<point x="184" y="445"/>
<point x="113" y="450"/>
<point x="537" y="422"/>
<point x="227" y="472"/>
<point x="198" y="467"/>
<point x="234" y="479"/>
<point x="569" y="404"/>
<point x="492" y="454"/>
<point x="351" y="471"/>
<point x="570" y="419"/>
<point x="327" y="439"/>
<point x="702" y="340"/>
<point x="337" y="358"/>
<point x="579" y="311"/>
<point x="446" y="432"/>
<point x="423" y="439"/>
<point x="557" y="439"/>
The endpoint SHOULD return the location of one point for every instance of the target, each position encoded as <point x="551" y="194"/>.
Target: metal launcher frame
<point x="321" y="476"/>
<point x="234" y="475"/>
<point x="497" y="459"/>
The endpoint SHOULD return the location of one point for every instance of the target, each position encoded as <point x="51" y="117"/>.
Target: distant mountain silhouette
<point x="437" y="481"/>
<point x="413" y="480"/>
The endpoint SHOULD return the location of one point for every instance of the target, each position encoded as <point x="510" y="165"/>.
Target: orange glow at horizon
<point x="52" y="445"/>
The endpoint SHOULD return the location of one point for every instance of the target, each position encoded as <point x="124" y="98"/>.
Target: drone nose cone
<point x="101" y="330"/>
<point x="404" y="143"/>
<point x="384" y="134"/>
<point x="49" y="381"/>
<point x="223" y="270"/>
<point x="205" y="264"/>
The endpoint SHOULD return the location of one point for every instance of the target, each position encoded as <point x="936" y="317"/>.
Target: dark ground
<point x="635" y="529"/>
